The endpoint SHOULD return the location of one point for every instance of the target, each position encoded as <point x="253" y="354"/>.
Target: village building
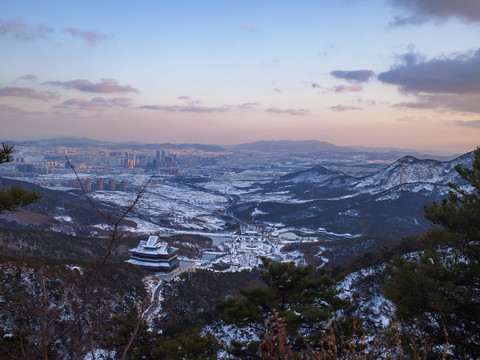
<point x="155" y="254"/>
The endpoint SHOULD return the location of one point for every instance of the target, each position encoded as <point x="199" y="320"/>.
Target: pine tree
<point x="304" y="303"/>
<point x="439" y="290"/>
<point x="15" y="196"/>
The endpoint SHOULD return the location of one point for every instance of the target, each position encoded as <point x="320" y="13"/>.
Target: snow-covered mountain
<point x="410" y="170"/>
<point x="388" y="202"/>
<point x="406" y="170"/>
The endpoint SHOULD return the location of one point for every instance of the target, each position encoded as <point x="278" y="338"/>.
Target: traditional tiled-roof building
<point x="155" y="254"/>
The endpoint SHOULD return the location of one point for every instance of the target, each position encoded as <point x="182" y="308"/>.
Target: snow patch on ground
<point x="226" y="333"/>
<point x="63" y="218"/>
<point x="101" y="354"/>
<point x="75" y="268"/>
<point x="363" y="289"/>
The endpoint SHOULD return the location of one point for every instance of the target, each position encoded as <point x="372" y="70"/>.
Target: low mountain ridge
<point x="316" y="174"/>
<point x="291" y="146"/>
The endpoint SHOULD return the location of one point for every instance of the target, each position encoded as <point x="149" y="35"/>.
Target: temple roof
<point x="154" y="245"/>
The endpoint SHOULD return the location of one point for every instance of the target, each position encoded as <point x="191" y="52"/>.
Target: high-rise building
<point x="157" y="158"/>
<point x="164" y="159"/>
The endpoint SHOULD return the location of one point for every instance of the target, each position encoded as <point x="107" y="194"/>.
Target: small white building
<point x="155" y="254"/>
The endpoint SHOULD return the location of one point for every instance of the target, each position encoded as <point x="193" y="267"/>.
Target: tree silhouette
<point x="15" y="196"/>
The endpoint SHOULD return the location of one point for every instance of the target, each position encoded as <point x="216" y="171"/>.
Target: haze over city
<point x="387" y="73"/>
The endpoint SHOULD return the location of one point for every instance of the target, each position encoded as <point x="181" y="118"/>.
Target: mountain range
<point x="388" y="202"/>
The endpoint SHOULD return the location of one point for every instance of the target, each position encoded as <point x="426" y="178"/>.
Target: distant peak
<point x="409" y="159"/>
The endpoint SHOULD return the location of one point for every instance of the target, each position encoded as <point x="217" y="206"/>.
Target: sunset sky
<point x="386" y="73"/>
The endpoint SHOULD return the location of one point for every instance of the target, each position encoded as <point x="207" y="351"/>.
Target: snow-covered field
<point x="186" y="208"/>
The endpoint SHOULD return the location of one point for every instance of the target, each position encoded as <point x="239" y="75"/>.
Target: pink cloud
<point x="249" y="106"/>
<point x="186" y="108"/>
<point x="90" y="36"/>
<point x="342" y="107"/>
<point x="22" y="31"/>
<point x="344" y="88"/>
<point x="27" y="93"/>
<point x="293" y="112"/>
<point x="96" y="103"/>
<point x="107" y="86"/>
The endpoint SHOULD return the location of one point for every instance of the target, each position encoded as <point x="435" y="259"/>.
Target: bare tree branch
<point x="109" y="247"/>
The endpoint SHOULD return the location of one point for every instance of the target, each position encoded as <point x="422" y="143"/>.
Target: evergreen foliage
<point x="158" y="346"/>
<point x="15" y="196"/>
<point x="304" y="302"/>
<point x="439" y="290"/>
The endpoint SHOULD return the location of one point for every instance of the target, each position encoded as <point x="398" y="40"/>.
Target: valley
<point x="276" y="192"/>
<point x="343" y="219"/>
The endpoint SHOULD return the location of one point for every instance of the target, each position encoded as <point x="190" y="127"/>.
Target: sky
<point x="383" y="73"/>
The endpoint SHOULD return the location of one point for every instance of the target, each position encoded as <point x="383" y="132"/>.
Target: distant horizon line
<point x="133" y="142"/>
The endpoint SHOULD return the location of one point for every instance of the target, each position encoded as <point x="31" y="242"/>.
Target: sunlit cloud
<point x="21" y="31"/>
<point x="90" y="36"/>
<point x="186" y="108"/>
<point x="249" y="106"/>
<point x="293" y="112"/>
<point x="422" y="11"/>
<point x="28" y="93"/>
<point x="106" y="86"/>
<point x="94" y="104"/>
<point x="343" y="107"/>
<point x="354" y="75"/>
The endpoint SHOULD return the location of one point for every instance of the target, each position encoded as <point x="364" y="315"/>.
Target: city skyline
<point x="390" y="73"/>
